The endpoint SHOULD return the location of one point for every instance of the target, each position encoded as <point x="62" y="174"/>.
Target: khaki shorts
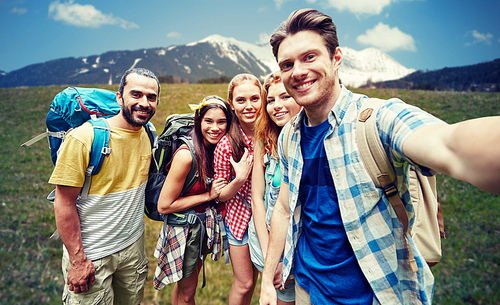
<point x="120" y="278"/>
<point x="301" y="296"/>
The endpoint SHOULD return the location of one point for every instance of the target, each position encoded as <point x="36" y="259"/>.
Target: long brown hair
<point x="235" y="136"/>
<point x="205" y="155"/>
<point x="266" y="130"/>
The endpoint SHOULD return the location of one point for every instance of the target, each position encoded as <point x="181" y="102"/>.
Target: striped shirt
<point x="372" y="228"/>
<point x="112" y="217"/>
<point x="237" y="213"/>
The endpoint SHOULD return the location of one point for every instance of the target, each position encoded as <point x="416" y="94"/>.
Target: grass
<point x="469" y="272"/>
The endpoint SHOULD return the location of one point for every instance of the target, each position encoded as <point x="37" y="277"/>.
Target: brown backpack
<point x="428" y="227"/>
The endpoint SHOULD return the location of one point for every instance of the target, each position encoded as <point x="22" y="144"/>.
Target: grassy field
<point x="469" y="272"/>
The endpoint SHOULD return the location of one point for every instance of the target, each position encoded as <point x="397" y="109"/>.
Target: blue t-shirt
<point x="325" y="265"/>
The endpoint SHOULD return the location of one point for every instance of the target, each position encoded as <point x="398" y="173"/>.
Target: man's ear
<point x="119" y="99"/>
<point x="337" y="58"/>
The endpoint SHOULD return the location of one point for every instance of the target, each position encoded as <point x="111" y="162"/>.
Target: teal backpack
<point x="71" y="108"/>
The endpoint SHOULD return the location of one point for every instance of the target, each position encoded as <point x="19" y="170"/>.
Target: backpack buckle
<point x="390" y="190"/>
<point x="192" y="218"/>
<point x="106" y="150"/>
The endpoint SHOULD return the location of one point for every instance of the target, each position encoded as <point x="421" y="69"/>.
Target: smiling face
<point x="280" y="106"/>
<point x="139" y="100"/>
<point x="213" y="126"/>
<point x="246" y="101"/>
<point x="308" y="72"/>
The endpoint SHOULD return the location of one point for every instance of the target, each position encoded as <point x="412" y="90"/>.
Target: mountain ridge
<point x="211" y="57"/>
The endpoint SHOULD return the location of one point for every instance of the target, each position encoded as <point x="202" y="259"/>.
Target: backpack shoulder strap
<point x="100" y="149"/>
<point x="287" y="135"/>
<point x="371" y="149"/>
<point x="192" y="176"/>
<point x="100" y="145"/>
<point x="152" y="134"/>
<point x="377" y="163"/>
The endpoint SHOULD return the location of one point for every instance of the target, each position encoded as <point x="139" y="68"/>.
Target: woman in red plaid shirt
<point x="233" y="161"/>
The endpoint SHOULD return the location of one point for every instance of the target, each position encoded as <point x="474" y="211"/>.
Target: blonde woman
<point x="233" y="162"/>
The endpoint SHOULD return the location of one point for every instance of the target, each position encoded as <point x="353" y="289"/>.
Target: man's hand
<point x="81" y="272"/>
<point x="80" y="276"/>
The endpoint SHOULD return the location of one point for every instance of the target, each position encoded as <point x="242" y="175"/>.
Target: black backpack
<point x="177" y="132"/>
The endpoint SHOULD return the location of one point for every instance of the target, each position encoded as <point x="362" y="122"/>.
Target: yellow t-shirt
<point x="111" y="218"/>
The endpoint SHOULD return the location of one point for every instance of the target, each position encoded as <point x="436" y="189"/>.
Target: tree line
<point x="169" y="79"/>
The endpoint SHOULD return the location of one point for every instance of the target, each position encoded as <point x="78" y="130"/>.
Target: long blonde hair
<point x="266" y="130"/>
<point x="235" y="137"/>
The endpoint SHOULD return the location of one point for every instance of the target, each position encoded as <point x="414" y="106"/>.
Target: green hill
<point x="469" y="272"/>
<point x="482" y="77"/>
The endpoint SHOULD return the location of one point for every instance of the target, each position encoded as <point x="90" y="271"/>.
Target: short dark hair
<point x="304" y="20"/>
<point x="140" y="71"/>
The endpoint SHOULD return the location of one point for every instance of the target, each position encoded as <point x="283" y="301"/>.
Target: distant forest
<point x="484" y="77"/>
<point x="169" y="79"/>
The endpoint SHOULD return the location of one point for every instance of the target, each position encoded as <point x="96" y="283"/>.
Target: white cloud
<point x="263" y="39"/>
<point x="174" y="35"/>
<point x="19" y="10"/>
<point x="279" y="3"/>
<point x="360" y="7"/>
<point x="479" y="37"/>
<point x="85" y="15"/>
<point x="387" y="39"/>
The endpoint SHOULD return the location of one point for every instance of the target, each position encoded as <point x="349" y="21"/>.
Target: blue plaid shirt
<point x="372" y="226"/>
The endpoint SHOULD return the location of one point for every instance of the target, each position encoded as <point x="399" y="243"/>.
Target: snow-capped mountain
<point x="212" y="57"/>
<point x="357" y="68"/>
<point x="369" y="64"/>
<point x="263" y="53"/>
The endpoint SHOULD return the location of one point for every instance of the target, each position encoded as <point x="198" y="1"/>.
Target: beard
<point x="128" y="114"/>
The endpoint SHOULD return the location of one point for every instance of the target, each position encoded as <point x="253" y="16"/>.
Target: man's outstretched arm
<point x="468" y="151"/>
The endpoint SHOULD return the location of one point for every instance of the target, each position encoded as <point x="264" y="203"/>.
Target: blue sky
<point x="420" y="34"/>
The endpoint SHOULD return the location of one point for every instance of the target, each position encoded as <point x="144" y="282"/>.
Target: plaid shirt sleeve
<point x="396" y="121"/>
<point x="236" y="214"/>
<point x="170" y="253"/>
<point x="222" y="166"/>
